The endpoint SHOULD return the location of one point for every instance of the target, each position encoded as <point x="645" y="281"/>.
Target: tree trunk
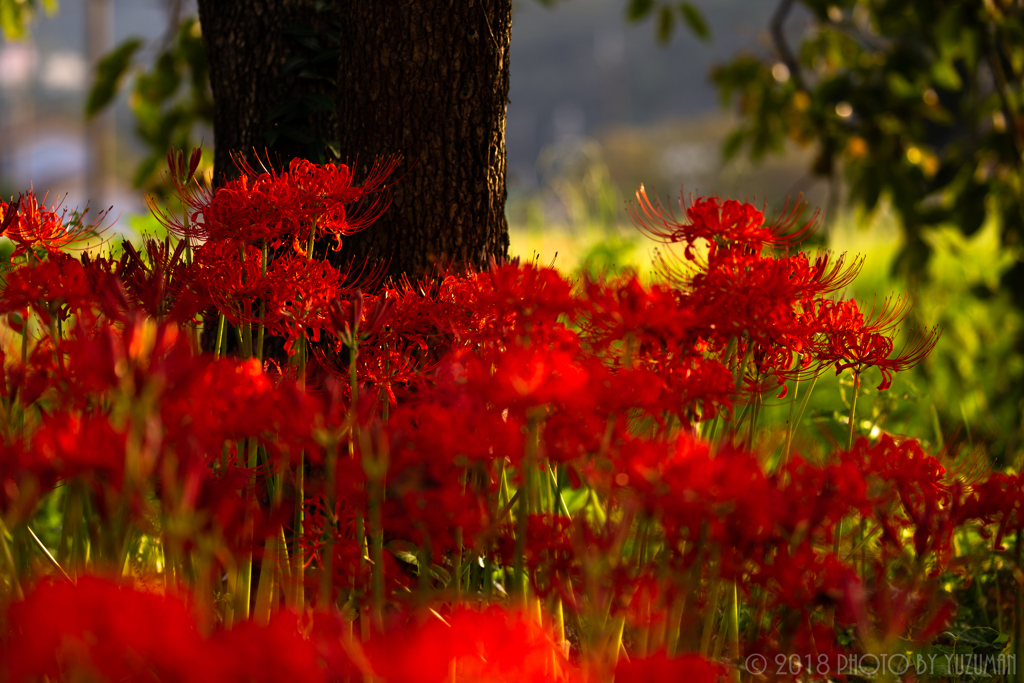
<point x="428" y="79"/>
<point x="256" y="51"/>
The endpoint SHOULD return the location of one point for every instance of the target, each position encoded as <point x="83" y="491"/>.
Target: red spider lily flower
<point x="158" y="284"/>
<point x="514" y="300"/>
<point x="659" y="667"/>
<point x="720" y="223"/>
<point x="913" y="474"/>
<point x="655" y="317"/>
<point x="107" y="632"/>
<point x="350" y="316"/>
<point x="55" y="287"/>
<point x="550" y="553"/>
<point x="696" y="389"/>
<point x="523" y="378"/>
<point x="328" y="190"/>
<point x="469" y="646"/>
<point x="803" y="579"/>
<point x="29" y="226"/>
<point x="308" y="201"/>
<point x="917" y="481"/>
<point x="71" y="445"/>
<point x="759" y="298"/>
<point x="813" y="499"/>
<point x="225" y="277"/>
<point x="264" y="654"/>
<point x="299" y="293"/>
<point x="900" y="610"/>
<point x="725" y="499"/>
<point x="454" y="430"/>
<point x="998" y="499"/>
<point x="852" y="340"/>
<point x="176" y="163"/>
<point x="103" y="633"/>
<point x="239" y="401"/>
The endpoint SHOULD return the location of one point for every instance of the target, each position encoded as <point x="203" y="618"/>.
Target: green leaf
<point x="145" y="170"/>
<point x="732" y="145"/>
<point x="109" y="73"/>
<point x="945" y="76"/>
<point x="12" y="19"/>
<point x="638" y="9"/>
<point x="666" y="24"/>
<point x="161" y="81"/>
<point x="695" y="20"/>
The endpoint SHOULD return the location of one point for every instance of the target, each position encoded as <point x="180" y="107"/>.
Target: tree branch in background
<point x="781" y="46"/>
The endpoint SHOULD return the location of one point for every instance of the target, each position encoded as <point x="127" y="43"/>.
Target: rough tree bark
<point x="247" y="46"/>
<point x="427" y="79"/>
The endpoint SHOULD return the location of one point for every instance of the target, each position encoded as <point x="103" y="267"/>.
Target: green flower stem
<point x="12" y="566"/>
<point x="298" y="570"/>
<point x="272" y="575"/>
<point x="799" y="416"/>
<point x="24" y="340"/>
<point x="46" y="553"/>
<point x="529" y="502"/>
<point x="221" y="336"/>
<point x="170" y="567"/>
<point x="522" y="516"/>
<point x="561" y="506"/>
<point x="457" y="569"/>
<point x="734" y="629"/>
<point x="503" y="488"/>
<point x="615" y="642"/>
<point x="741" y="369"/>
<point x="243" y="587"/>
<point x="675" y="625"/>
<point x="62" y="545"/>
<point x="849" y="447"/>
<point x="558" y="614"/>
<point x="1018" y="609"/>
<point x="753" y="419"/>
<point x="720" y="636"/>
<point x="298" y="566"/>
<point x="709" y="618"/>
<point x="377" y="553"/>
<point x="122" y="564"/>
<point x="853" y="409"/>
<point x="261" y="328"/>
<point x="327" y="555"/>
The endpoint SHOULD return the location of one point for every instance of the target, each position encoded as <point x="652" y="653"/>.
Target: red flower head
<point x="718" y="223"/>
<point x="853" y="340"/>
<point x="29" y="226"/>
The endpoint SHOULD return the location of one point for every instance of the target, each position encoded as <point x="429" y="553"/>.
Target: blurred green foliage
<point x="171" y="99"/>
<point x="666" y="14"/>
<point x="15" y="15"/>
<point x="918" y="101"/>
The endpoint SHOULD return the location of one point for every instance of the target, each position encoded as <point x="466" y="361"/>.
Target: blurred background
<point x="597" y="106"/>
<point x="899" y="121"/>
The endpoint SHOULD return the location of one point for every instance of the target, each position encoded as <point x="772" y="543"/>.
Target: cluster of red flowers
<point x="508" y="437"/>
